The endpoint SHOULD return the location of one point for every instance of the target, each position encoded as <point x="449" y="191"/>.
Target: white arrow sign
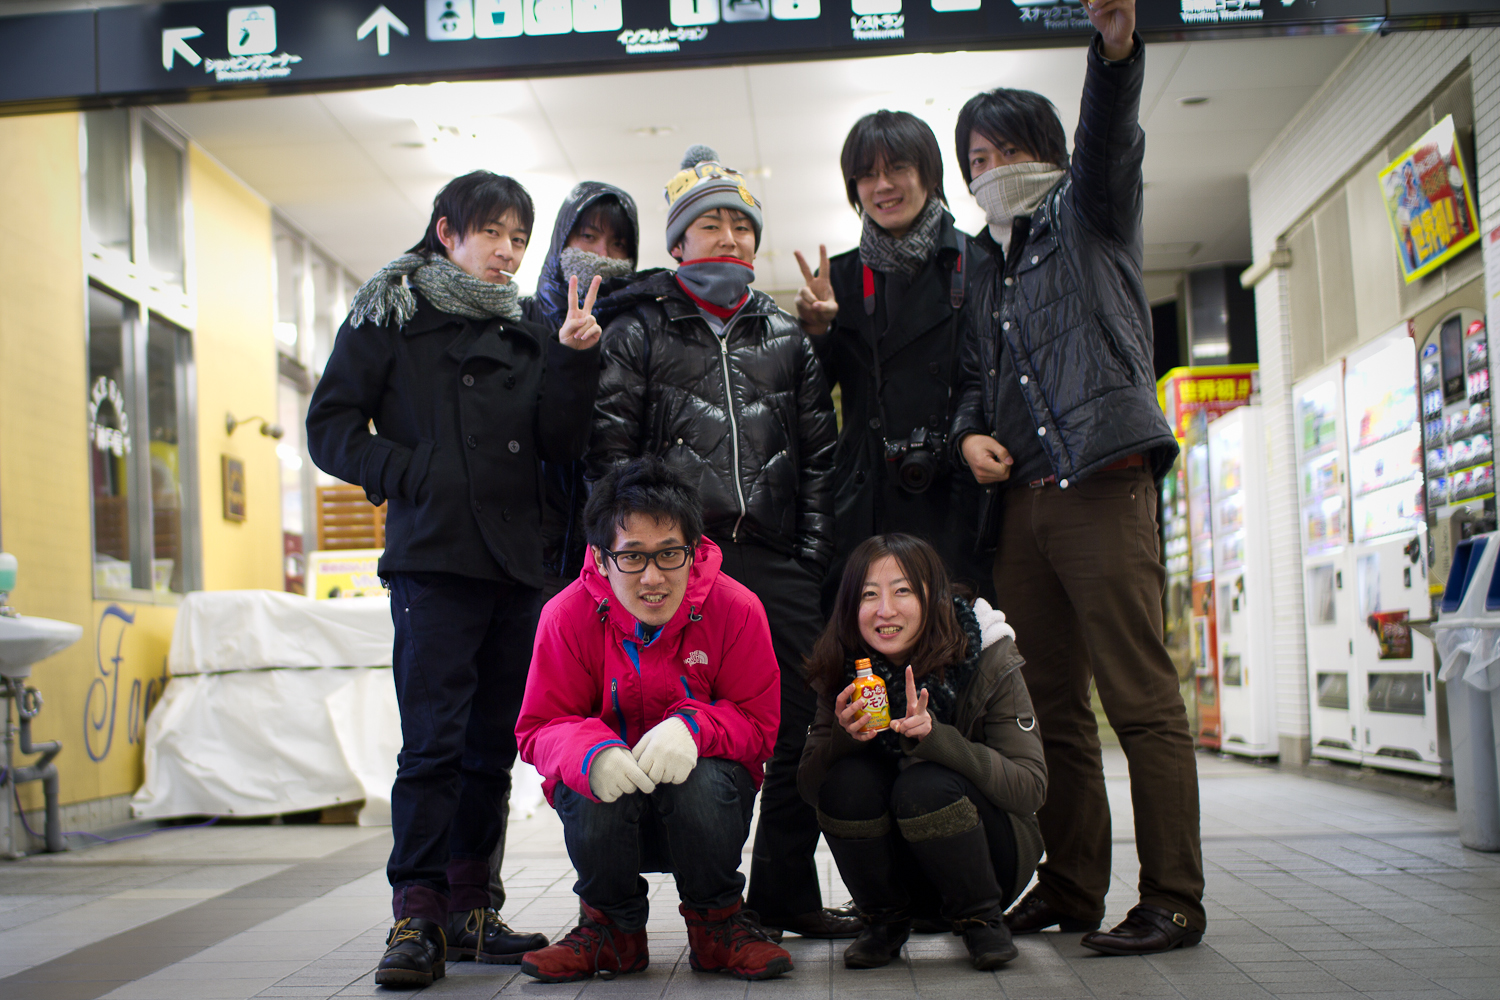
<point x="174" y="42"/>
<point x="381" y="22"/>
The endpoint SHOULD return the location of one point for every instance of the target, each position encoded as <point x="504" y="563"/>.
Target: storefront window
<point x="163" y="162"/>
<point x="111" y="443"/>
<point x="107" y="138"/>
<point x="166" y="366"/>
<point x="290" y="255"/>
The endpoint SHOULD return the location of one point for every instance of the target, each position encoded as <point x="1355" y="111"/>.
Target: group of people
<point x="628" y="540"/>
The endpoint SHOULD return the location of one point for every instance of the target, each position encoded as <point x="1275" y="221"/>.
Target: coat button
<point x="1024" y="380"/>
<point x="472" y="443"/>
<point x="1005" y="325"/>
<point x="1041" y="432"/>
<point x="874" y="423"/>
<point x="992" y="374"/>
<point x="995" y="314"/>
<point x="514" y="447"/>
<point x="679" y="441"/>
<point x="1035" y="259"/>
<point x="377" y="499"/>
<point x="468" y="380"/>
<point x="505" y="514"/>
<point x="1010" y="281"/>
<point x="1063" y="483"/>
<point x="510" y="381"/>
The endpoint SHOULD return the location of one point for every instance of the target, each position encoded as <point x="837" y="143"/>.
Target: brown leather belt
<point x="1128" y="462"/>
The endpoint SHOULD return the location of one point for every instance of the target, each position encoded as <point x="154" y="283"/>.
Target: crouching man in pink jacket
<point x="652" y="704"/>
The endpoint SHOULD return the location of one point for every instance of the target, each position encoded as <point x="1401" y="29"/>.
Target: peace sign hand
<point x="816" y="306"/>
<point x="580" y="330"/>
<point x="917" y="723"/>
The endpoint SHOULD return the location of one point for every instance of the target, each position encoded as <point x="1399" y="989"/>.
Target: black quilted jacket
<point x="1068" y="306"/>
<point x="749" y="415"/>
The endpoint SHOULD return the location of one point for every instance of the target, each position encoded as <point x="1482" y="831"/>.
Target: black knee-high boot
<point x="865" y="853"/>
<point x="954" y="853"/>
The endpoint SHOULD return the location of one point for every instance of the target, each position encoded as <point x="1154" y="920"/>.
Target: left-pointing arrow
<point x="174" y="42"/>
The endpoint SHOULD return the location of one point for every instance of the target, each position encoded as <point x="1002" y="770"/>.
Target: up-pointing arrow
<point x="174" y="42"/>
<point x="381" y="22"/>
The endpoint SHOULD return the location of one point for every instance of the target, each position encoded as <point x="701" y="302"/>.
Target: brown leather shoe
<point x="829" y="922"/>
<point x="1033" y="914"/>
<point x="1146" y="930"/>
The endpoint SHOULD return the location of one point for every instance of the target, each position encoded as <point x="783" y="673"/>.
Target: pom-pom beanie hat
<point x="702" y="185"/>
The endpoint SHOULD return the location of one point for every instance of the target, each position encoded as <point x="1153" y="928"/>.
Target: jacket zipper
<point x="734" y="428"/>
<point x="614" y="695"/>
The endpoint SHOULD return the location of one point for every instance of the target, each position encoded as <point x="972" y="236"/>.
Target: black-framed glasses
<point x="633" y="561"/>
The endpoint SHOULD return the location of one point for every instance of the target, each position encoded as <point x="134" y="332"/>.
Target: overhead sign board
<point x="169" y="51"/>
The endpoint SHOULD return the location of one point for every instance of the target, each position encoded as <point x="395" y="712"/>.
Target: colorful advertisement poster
<point x="1214" y="389"/>
<point x="344" y="573"/>
<point x="1429" y="202"/>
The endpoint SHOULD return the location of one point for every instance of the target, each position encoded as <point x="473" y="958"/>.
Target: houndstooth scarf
<point x="880" y="251"/>
<point x="446" y="285"/>
<point x="1010" y="191"/>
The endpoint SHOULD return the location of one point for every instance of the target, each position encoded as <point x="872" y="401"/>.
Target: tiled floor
<point x="1314" y="891"/>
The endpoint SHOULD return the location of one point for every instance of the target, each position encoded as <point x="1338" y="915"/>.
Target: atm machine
<point x="1399" y="725"/>
<point x="1327" y="580"/>
<point x="1242" y="584"/>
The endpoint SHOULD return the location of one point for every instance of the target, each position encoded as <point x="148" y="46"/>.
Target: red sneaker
<point x="596" y="945"/>
<point x="729" y="940"/>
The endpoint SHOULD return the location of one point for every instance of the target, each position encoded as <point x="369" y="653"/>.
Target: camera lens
<point x="917" y="471"/>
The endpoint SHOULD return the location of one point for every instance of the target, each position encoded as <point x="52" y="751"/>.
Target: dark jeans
<point x="783" y="877"/>
<point x="463" y="647"/>
<point x="1079" y="576"/>
<point x="868" y="785"/>
<point x="694" y="830"/>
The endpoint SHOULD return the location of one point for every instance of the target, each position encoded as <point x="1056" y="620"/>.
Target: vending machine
<point x="1204" y="645"/>
<point x="1458" y="444"/>
<point x="1328" y="583"/>
<point x="1399" y="727"/>
<point x="1242" y="584"/>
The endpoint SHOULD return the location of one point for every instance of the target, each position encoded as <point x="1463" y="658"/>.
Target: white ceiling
<point x="357" y="170"/>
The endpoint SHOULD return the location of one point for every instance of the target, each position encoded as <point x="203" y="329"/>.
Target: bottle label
<point x="877" y="703"/>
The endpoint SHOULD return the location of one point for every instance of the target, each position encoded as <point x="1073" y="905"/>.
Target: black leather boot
<point x="416" y="953"/>
<point x="480" y="934"/>
<point x="959" y="865"/>
<point x="867" y="865"/>
<point x="884" y="935"/>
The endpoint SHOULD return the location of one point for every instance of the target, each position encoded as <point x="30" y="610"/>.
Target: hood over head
<point x="552" y="287"/>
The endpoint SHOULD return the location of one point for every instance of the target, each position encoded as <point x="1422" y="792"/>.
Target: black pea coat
<point x="919" y="351"/>
<point x="464" y="413"/>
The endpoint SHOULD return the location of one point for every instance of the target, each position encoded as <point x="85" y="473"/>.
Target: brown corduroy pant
<point x="1079" y="576"/>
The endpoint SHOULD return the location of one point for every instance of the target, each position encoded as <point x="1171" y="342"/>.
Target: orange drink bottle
<point x="872" y="689"/>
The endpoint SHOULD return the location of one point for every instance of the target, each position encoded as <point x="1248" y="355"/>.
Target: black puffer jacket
<point x="748" y="415"/>
<point x="1069" y="307"/>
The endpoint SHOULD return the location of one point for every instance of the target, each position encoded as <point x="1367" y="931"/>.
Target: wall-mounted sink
<point x="25" y="640"/>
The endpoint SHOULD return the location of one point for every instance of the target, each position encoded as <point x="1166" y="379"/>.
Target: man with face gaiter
<point x="1058" y="415"/>
<point x="713" y="377"/>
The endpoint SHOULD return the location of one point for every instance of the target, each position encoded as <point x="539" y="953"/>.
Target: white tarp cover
<point x="1470" y="651"/>
<point x="233" y="736"/>
<point x="223" y="630"/>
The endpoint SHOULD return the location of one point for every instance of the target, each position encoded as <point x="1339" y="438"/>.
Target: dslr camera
<point x="917" y="460"/>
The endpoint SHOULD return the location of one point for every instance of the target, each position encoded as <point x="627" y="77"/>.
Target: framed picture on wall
<point x="1429" y="202"/>
<point x="234" y="488"/>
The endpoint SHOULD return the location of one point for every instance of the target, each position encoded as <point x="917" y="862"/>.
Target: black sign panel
<point x="176" y="49"/>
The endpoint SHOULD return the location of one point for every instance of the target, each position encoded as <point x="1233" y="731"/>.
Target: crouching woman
<point x="935" y="817"/>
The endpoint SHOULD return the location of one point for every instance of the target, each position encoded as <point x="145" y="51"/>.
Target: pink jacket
<point x="595" y="683"/>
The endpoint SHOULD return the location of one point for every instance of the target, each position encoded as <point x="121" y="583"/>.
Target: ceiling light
<point x="653" y="130"/>
<point x="1186" y="101"/>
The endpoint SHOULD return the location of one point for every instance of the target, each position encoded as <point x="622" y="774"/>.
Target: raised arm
<point x="1109" y="146"/>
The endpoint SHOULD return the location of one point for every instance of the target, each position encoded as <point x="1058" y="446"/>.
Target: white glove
<point x="667" y="753"/>
<point x="992" y="626"/>
<point x="615" y="773"/>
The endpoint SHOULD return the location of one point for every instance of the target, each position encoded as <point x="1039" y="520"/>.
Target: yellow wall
<point x="97" y="692"/>
<point x="236" y="358"/>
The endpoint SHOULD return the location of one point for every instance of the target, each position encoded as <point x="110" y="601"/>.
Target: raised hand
<point x="852" y="715"/>
<point x="580" y="330"/>
<point x="917" y="723"/>
<point x="816" y="306"/>
<point x="1115" y="20"/>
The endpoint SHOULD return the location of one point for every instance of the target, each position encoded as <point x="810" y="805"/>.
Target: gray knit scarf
<point x="880" y="251"/>
<point x="388" y="295"/>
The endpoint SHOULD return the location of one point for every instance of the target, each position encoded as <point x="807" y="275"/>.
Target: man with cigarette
<point x="440" y="400"/>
